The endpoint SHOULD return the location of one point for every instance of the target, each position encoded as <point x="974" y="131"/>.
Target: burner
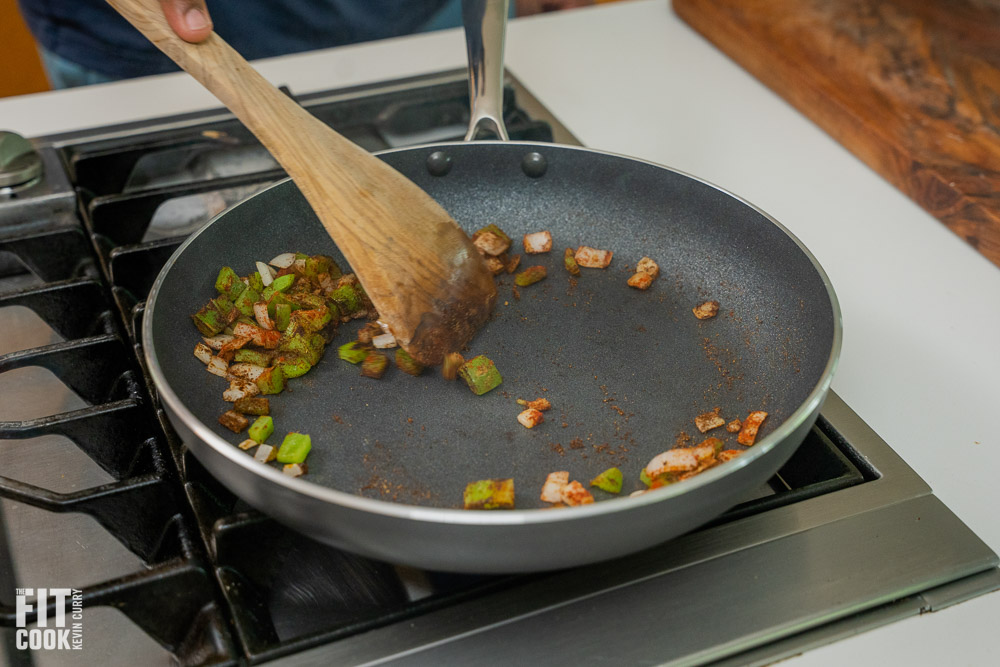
<point x="19" y="163"/>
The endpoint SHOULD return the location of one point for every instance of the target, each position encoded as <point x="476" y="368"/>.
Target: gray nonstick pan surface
<point x="626" y="370"/>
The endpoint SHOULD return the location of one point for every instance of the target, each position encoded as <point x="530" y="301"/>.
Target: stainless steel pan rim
<point x="508" y="517"/>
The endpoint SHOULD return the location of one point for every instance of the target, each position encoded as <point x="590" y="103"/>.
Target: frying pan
<point x="626" y="370"/>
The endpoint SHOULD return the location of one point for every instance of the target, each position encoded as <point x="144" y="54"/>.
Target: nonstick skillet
<point x="626" y="370"/>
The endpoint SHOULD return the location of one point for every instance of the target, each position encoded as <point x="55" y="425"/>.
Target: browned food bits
<point x="728" y="454"/>
<point x="748" y="434"/>
<point x="709" y="420"/>
<point x="734" y="426"/>
<point x="592" y="257"/>
<point x="706" y="310"/>
<point x="646" y="265"/>
<point x="234" y="421"/>
<point x="542" y="404"/>
<point x="512" y="263"/>
<point x="496" y="265"/>
<point x="530" y="418"/>
<point x="374" y="365"/>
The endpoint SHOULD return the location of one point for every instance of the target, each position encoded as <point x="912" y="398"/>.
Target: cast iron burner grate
<point x="222" y="583"/>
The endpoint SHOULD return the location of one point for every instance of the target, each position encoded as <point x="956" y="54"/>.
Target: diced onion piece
<point x="575" y="493"/>
<point x="217" y="366"/>
<point x="554" y="483"/>
<point x="640" y="280"/>
<point x="203" y="353"/>
<point x="637" y="493"/>
<point x="734" y="426"/>
<point x="646" y="265"/>
<point x="300" y="265"/>
<point x="490" y="244"/>
<point x="248" y="444"/>
<point x="537" y="242"/>
<point x="750" y="425"/>
<point x="260" y="314"/>
<point x="707" y="421"/>
<point x="681" y="459"/>
<point x="383" y="326"/>
<point x="266" y="273"/>
<point x="262" y="337"/>
<point x="282" y="261"/>
<point x="240" y="388"/>
<point x="728" y="454"/>
<point x="218" y="342"/>
<point x="384" y="341"/>
<point x="265" y="454"/>
<point x="244" y="371"/>
<point x="531" y="418"/>
<point x="295" y="469"/>
<point x="592" y="257"/>
<point x="706" y="310"/>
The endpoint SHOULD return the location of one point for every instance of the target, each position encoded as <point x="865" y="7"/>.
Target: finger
<point x="188" y="18"/>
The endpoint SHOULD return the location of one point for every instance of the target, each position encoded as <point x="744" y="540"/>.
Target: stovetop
<point x="99" y="494"/>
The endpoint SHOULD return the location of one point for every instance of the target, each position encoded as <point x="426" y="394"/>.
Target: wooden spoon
<point x="419" y="268"/>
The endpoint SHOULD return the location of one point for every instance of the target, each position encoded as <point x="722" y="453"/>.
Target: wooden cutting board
<point x="912" y="87"/>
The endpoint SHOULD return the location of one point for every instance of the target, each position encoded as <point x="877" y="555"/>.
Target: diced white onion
<point x="217" y="366"/>
<point x="203" y="353"/>
<point x="239" y="388"/>
<point x="384" y="341"/>
<point x="216" y="342"/>
<point x="248" y="444"/>
<point x="264" y="454"/>
<point x="266" y="273"/>
<point x="284" y="260"/>
<point x="260" y="314"/>
<point x="246" y="371"/>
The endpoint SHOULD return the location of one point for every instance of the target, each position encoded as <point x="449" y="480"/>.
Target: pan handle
<point x="485" y="27"/>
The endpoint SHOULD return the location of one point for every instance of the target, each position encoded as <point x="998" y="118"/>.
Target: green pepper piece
<point x="610" y="480"/>
<point x="256" y="357"/>
<point x="374" y="365"/>
<point x="530" y="276"/>
<point x="306" y="300"/>
<point x="245" y="301"/>
<point x="661" y="480"/>
<point x="294" y="448"/>
<point x="569" y="260"/>
<point x="480" y="374"/>
<point x="208" y="321"/>
<point x="408" y="364"/>
<point x="271" y="381"/>
<point x="267" y="293"/>
<point x="318" y="264"/>
<point x="301" y="345"/>
<point x="313" y="320"/>
<point x="348" y="299"/>
<point x="293" y="366"/>
<point x="282" y="315"/>
<point x="352" y="352"/>
<point x="229" y="283"/>
<point x="256" y="283"/>
<point x="301" y="255"/>
<point x="489" y="494"/>
<point x="261" y="429"/>
<point x="253" y="405"/>
<point x="282" y="283"/>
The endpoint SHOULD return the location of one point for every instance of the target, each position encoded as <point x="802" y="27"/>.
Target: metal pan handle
<point x="485" y="27"/>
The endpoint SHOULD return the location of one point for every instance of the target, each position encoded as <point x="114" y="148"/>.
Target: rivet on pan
<point x="534" y="164"/>
<point x="438" y="163"/>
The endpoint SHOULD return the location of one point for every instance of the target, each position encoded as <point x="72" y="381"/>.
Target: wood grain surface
<point x="912" y="87"/>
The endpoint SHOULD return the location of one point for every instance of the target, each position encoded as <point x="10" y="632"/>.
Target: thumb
<point x="188" y="18"/>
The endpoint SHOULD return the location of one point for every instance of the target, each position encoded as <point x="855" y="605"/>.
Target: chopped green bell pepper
<point x="480" y="374"/>
<point x="294" y="448"/>
<point x="610" y="480"/>
<point x="489" y="494"/>
<point x="261" y="429"/>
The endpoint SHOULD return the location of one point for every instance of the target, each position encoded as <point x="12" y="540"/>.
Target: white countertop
<point x="921" y="354"/>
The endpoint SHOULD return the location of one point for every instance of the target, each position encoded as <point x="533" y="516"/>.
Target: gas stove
<point x="101" y="497"/>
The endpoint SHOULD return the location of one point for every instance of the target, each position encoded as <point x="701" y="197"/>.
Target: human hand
<point x="188" y="18"/>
